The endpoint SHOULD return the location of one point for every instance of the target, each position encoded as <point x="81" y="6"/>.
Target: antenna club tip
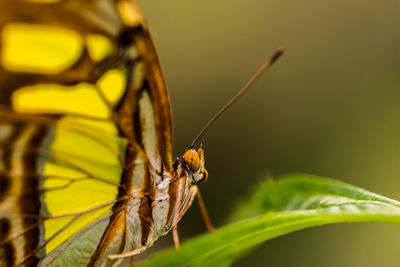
<point x="278" y="53"/>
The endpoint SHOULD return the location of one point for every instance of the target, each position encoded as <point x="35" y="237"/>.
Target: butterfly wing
<point x="83" y="114"/>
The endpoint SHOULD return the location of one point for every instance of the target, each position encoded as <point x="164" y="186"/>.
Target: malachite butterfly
<point x="86" y="168"/>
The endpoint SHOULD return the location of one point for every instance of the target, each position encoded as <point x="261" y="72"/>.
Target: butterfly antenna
<point x="278" y="53"/>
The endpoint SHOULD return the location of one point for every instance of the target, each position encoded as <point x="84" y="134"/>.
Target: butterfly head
<point x="194" y="164"/>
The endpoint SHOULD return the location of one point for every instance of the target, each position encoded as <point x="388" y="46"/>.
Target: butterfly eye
<point x="192" y="160"/>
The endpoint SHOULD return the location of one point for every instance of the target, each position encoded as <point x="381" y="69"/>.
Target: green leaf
<point x="292" y="203"/>
<point x="305" y="192"/>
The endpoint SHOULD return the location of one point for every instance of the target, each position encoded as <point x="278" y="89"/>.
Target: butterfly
<point x="86" y="169"/>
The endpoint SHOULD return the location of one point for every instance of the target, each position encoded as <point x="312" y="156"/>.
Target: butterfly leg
<point x="131" y="261"/>
<point x="204" y="213"/>
<point x="175" y="236"/>
<point x="194" y="192"/>
<point x="123" y="255"/>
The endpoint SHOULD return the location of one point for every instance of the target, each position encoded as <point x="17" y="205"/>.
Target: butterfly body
<point x="86" y="167"/>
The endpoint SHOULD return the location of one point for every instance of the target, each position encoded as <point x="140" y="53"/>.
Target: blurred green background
<point x="330" y="107"/>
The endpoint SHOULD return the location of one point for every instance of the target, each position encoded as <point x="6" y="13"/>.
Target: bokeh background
<point x="330" y="107"/>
